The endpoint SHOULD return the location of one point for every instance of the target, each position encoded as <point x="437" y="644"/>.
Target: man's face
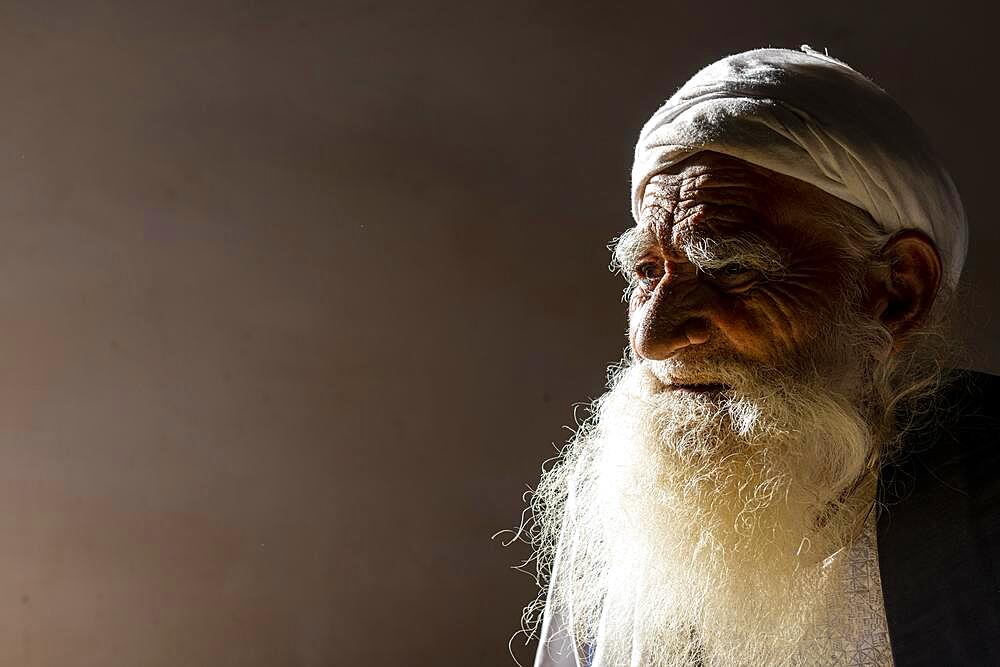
<point x="732" y="263"/>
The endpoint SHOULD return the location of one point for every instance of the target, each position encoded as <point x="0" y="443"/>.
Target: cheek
<point x="768" y="324"/>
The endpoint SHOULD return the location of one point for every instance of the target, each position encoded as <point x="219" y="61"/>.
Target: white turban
<point x="809" y="116"/>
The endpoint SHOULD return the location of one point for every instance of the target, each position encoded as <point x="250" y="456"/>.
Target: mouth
<point x="696" y="388"/>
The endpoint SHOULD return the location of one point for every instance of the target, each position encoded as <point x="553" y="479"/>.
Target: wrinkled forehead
<point x="714" y="193"/>
<point x="709" y="177"/>
<point x="709" y="190"/>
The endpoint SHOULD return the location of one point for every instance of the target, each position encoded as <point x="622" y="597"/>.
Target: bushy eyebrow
<point x="629" y="248"/>
<point x="748" y="249"/>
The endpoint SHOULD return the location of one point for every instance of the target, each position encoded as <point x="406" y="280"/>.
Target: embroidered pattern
<point x="858" y="636"/>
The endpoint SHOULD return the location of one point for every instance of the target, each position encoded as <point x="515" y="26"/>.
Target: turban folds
<point x="811" y="117"/>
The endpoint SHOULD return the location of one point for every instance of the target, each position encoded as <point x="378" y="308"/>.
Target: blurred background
<point x="295" y="300"/>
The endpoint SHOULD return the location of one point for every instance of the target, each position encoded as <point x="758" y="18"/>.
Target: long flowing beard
<point x="694" y="529"/>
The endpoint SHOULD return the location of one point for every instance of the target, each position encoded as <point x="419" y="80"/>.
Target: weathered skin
<point x="679" y="311"/>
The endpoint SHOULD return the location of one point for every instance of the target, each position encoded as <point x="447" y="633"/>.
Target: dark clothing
<point x="939" y="532"/>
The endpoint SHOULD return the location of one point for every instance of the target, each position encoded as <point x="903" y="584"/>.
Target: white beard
<point x="692" y="528"/>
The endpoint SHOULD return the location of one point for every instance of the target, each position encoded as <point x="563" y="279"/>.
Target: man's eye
<point x="733" y="269"/>
<point x="649" y="272"/>
<point x="735" y="276"/>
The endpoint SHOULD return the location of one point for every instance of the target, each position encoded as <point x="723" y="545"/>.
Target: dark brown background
<point x="295" y="300"/>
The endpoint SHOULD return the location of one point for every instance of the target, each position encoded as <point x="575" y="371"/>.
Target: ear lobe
<point x="902" y="290"/>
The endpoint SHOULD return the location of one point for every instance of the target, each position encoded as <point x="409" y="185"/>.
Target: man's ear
<point x="902" y="289"/>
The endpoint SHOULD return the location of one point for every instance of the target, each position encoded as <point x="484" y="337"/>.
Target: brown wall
<point x="295" y="299"/>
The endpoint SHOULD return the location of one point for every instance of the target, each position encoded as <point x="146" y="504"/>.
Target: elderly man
<point x="783" y="470"/>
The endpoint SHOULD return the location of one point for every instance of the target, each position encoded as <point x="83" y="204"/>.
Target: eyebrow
<point x="748" y="249"/>
<point x="706" y="253"/>
<point x="629" y="248"/>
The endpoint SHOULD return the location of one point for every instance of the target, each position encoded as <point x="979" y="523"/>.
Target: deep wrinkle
<point x="711" y="200"/>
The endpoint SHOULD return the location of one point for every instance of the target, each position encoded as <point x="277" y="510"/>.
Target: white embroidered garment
<point x="860" y="635"/>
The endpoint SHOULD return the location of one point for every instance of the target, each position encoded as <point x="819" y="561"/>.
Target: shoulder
<point x="944" y="482"/>
<point x="939" y="529"/>
<point x="960" y="427"/>
<point x="963" y="433"/>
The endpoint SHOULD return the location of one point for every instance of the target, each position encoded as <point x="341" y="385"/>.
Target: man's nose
<point x="669" y="321"/>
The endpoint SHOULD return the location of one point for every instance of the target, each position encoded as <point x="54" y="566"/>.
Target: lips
<point x="696" y="388"/>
